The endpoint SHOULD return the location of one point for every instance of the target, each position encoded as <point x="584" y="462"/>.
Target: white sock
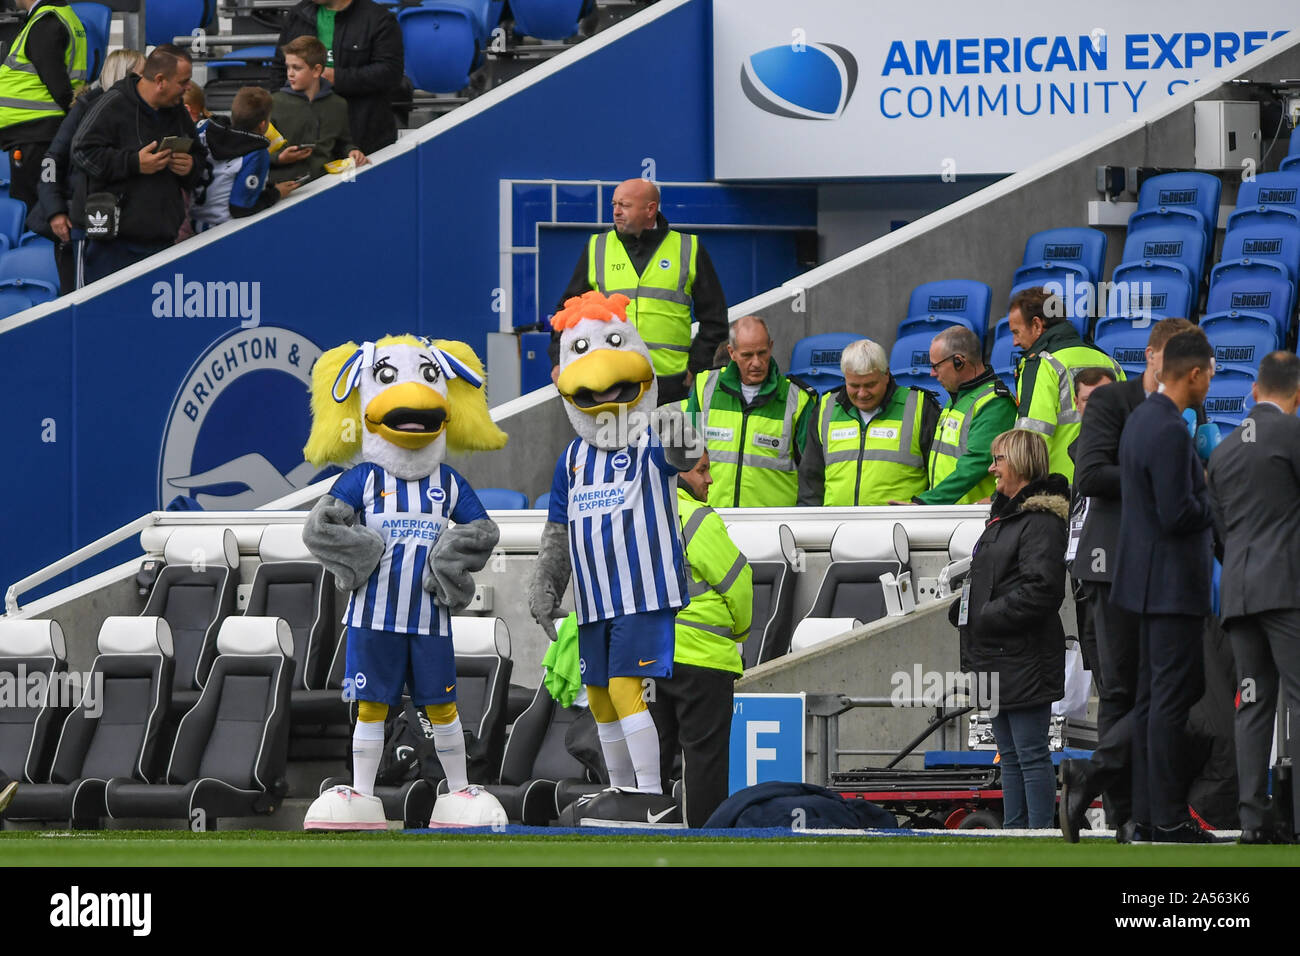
<point x="449" y="742"/>
<point x="367" y="748"/>
<point x="617" y="759"/>
<point x="643" y="747"/>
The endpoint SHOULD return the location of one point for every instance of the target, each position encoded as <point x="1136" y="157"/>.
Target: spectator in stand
<point x="119" y="147"/>
<point x="235" y="183"/>
<point x="197" y="104"/>
<point x="51" y="218"/>
<point x="311" y="117"/>
<point x="42" y="70"/>
<point x="1009" y="619"/>
<point x="364" y="63"/>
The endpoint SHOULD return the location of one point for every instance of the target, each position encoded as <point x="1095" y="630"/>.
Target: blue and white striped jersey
<point x="624" y="537"/>
<point x="411" y="515"/>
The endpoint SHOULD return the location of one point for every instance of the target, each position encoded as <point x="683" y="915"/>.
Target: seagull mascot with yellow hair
<point x="613" y="526"/>
<point x="403" y="531"/>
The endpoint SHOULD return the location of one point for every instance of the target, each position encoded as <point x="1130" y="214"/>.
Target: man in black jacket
<point x="52" y="45"/>
<point x="365" y="62"/>
<point x="1097" y="481"/>
<point x="1162" y="573"/>
<point x="651" y="248"/>
<point x="119" y="148"/>
<point x="1254" y="487"/>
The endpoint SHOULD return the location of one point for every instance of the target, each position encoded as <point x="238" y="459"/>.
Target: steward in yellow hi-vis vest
<point x="1045" y="383"/>
<point x="961" y="452"/>
<point x="692" y="708"/>
<point x="868" y="458"/>
<point x="754" y="446"/>
<point x="42" y="69"/>
<point x="669" y="279"/>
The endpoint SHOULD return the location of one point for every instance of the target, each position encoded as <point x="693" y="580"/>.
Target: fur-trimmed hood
<point x="1050" y="495"/>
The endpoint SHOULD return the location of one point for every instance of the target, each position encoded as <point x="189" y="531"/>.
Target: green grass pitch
<point x="265" y="848"/>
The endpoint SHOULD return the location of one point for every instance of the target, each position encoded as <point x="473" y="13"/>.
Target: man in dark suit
<point x="1162" y="572"/>
<point x="1254" y="488"/>
<point x="1097" y="479"/>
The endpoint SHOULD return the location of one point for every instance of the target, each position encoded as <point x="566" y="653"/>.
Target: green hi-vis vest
<point x="1053" y="411"/>
<point x="660" y="309"/>
<point x="709" y="629"/>
<point x="875" y="463"/>
<point x="951" y="437"/>
<point x="23" y="97"/>
<point x="751" y="455"/>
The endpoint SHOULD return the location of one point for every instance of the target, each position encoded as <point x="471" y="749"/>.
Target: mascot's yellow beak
<point x="605" y="380"/>
<point x="409" y="415"/>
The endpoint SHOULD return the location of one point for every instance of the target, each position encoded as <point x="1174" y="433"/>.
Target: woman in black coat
<point x="1011" y="634"/>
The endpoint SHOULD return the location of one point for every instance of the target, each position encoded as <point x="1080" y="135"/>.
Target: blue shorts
<point x="381" y="664"/>
<point x="630" y="645"/>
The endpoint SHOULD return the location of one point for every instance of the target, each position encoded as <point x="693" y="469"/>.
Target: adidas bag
<point x="102" y="215"/>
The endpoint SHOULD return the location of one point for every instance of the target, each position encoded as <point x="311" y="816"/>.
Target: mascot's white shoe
<point x="342" y="808"/>
<point x="471" y="807"/>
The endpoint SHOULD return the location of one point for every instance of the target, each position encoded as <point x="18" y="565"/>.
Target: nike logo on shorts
<point x="641" y="663"/>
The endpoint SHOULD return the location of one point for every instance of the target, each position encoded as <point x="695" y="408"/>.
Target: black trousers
<point x="25" y="173"/>
<point x="1114" y="660"/>
<point x="1267" y="649"/>
<point x="1171" y="678"/>
<point x="692" y="712"/>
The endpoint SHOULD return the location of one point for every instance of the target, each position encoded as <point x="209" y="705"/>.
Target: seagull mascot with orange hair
<point x="403" y="531"/>
<point x="613" y="526"/>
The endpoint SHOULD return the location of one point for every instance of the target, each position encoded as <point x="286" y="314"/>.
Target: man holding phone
<point x="139" y="150"/>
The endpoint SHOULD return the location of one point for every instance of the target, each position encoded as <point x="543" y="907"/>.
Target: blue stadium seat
<point x="543" y="501"/>
<point x="4" y="170"/>
<point x="244" y="56"/>
<point x="1197" y="193"/>
<point x="1290" y="163"/>
<point x="31" y="269"/>
<point x="1272" y="236"/>
<point x="13" y="301"/>
<point x="1005" y="355"/>
<point x="443" y="45"/>
<point x="1161" y="289"/>
<point x="1083" y="247"/>
<point x="951" y="302"/>
<point x="175" y="18"/>
<point x="1124" y="339"/>
<point x="1245" y="285"/>
<point x="1170" y="235"/>
<point x="1293" y="149"/>
<point x="486" y="14"/>
<point x="13" y="217"/>
<point x="816" y="359"/>
<point x="1067" y="281"/>
<point x="502" y="499"/>
<point x="1229" y="397"/>
<point x="909" y="360"/>
<point x="1241" y="338"/>
<point x="548" y="19"/>
<point x="1271" y="189"/>
<point x="97" y="19"/>
<point x="1252" y="214"/>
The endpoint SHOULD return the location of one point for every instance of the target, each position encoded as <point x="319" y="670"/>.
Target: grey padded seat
<point x="230" y="752"/>
<point x="291" y="584"/>
<point x="770" y="551"/>
<point x="113" y="732"/>
<point x="194" y="594"/>
<point x="33" y="655"/>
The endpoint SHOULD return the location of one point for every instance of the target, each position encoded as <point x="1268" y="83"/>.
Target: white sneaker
<point x="471" y="807"/>
<point x="342" y="808"/>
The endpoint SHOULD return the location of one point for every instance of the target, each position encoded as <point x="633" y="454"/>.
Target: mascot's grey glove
<point x="683" y="445"/>
<point x="349" y="551"/>
<point x="460" y="550"/>
<point x="550" y="577"/>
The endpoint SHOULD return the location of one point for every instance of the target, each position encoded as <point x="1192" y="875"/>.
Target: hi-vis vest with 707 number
<point x="23" y="97"/>
<point x="660" y="309"/>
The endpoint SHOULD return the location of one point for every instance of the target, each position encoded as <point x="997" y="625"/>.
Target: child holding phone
<point x="310" y="116"/>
